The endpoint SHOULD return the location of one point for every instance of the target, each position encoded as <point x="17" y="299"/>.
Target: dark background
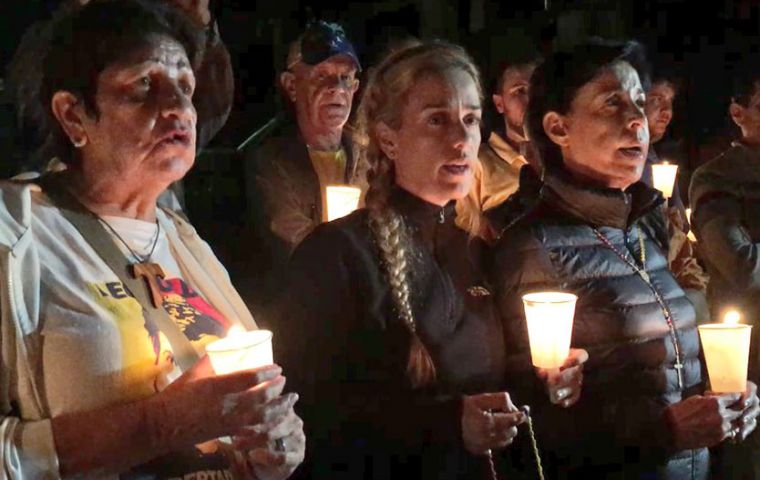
<point x="697" y="39"/>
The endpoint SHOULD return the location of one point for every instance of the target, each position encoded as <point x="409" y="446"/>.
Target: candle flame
<point x="732" y="317"/>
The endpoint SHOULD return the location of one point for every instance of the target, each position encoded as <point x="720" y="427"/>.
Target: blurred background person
<point x="287" y="174"/>
<point x="725" y="195"/>
<point x="502" y="156"/>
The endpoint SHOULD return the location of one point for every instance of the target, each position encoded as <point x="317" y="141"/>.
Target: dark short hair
<point x="103" y="32"/>
<point x="515" y="59"/>
<point x="674" y="83"/>
<point x="745" y="78"/>
<point x="556" y="82"/>
<point x="666" y="69"/>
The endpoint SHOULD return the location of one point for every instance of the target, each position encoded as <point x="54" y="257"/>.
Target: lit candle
<point x="341" y="200"/>
<point x="726" y="347"/>
<point x="664" y="175"/>
<point x="549" y="316"/>
<point x="241" y="350"/>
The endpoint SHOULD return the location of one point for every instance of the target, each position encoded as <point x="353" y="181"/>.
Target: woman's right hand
<point x="200" y="406"/>
<point x="563" y="385"/>
<point x="489" y="422"/>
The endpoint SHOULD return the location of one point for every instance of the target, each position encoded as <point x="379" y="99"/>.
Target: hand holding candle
<point x="564" y="384"/>
<point x="550" y="326"/>
<point x="242" y="351"/>
<point x="664" y="176"/>
<point x="726" y="349"/>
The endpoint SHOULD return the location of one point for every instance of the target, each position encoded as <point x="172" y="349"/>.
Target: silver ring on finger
<point x="279" y="445"/>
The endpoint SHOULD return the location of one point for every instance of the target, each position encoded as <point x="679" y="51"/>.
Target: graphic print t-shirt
<point x="198" y="320"/>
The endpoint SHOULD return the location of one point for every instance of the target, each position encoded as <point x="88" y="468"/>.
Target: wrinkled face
<point x="145" y="129"/>
<point x="748" y="118"/>
<point x="323" y="93"/>
<point x="604" y="137"/>
<point x="435" y="149"/>
<point x="512" y="99"/>
<point x="659" y="109"/>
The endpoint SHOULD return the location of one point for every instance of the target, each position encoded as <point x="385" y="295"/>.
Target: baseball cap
<point x="320" y="41"/>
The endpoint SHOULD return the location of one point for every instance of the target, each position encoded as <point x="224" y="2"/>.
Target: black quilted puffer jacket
<point x="548" y="242"/>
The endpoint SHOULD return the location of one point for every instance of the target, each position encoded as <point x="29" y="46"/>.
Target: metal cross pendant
<point x="679" y="372"/>
<point x="644" y="275"/>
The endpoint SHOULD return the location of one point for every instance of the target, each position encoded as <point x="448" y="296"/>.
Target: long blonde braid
<point x="383" y="98"/>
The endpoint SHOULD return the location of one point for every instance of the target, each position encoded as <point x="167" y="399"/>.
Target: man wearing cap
<point x="286" y="175"/>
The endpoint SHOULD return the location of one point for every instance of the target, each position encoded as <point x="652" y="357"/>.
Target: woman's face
<point x="435" y="150"/>
<point x="604" y="137"/>
<point x="145" y="128"/>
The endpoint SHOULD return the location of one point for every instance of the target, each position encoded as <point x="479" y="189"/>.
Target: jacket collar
<point x="505" y="151"/>
<point x="595" y="206"/>
<point x="418" y="212"/>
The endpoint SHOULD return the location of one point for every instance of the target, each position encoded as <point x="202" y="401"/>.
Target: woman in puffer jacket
<point x="587" y="226"/>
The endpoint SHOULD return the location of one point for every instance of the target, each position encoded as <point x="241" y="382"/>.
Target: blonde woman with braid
<point x="393" y="344"/>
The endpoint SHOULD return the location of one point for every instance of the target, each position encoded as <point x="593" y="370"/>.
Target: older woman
<point x="588" y="226"/>
<point x="214" y="79"/>
<point x="105" y="295"/>
<point x="394" y="344"/>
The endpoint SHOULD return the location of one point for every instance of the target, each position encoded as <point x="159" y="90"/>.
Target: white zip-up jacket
<point x="64" y="345"/>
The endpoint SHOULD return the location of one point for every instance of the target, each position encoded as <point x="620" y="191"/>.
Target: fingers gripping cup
<point x="549" y="316"/>
<point x="240" y="350"/>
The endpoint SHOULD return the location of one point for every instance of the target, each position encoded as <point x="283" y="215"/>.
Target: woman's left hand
<point x="272" y="450"/>
<point x="563" y="385"/>
<point x="749" y="405"/>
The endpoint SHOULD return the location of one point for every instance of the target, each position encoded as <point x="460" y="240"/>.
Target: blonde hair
<point x="384" y="97"/>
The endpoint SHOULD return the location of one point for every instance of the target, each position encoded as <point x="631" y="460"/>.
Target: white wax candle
<point x="664" y="175"/>
<point x="241" y="350"/>
<point x="341" y="200"/>
<point x="549" y="317"/>
<point x="726" y="349"/>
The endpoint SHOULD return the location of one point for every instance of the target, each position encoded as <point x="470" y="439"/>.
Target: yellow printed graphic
<point x="145" y="353"/>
